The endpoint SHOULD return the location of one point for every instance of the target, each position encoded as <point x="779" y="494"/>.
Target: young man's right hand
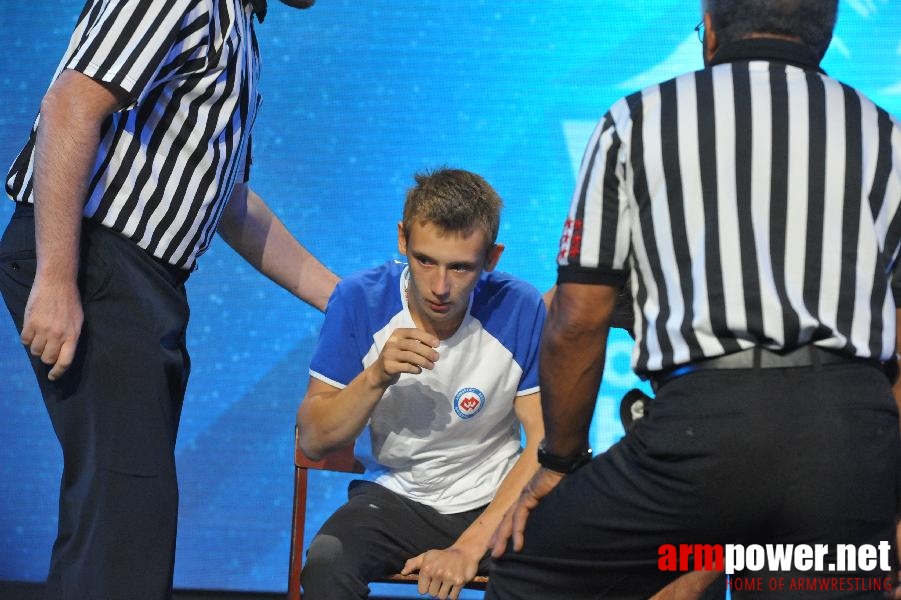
<point x="408" y="350"/>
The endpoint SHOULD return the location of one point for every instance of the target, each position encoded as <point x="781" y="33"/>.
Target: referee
<point x="141" y="151"/>
<point x="754" y="206"/>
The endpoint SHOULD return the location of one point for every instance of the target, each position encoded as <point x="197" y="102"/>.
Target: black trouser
<point x="372" y="536"/>
<point x="115" y="413"/>
<point x="805" y="455"/>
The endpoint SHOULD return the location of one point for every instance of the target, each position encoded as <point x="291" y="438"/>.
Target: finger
<point x="28" y="333"/>
<point x="423" y="583"/>
<point x="407" y="362"/>
<point x="435" y="587"/>
<point x="502" y="534"/>
<point x="498" y="547"/>
<point x="425" y="360"/>
<point x="519" y="526"/>
<point x="409" y="352"/>
<point x="411" y="565"/>
<point x="423" y="336"/>
<point x="445" y="590"/>
<point x="500" y="537"/>
<point x="413" y="335"/>
<point x="50" y="352"/>
<point x="396" y="366"/>
<point x="36" y="347"/>
<point x="418" y="348"/>
<point x="64" y="360"/>
<point x="455" y="592"/>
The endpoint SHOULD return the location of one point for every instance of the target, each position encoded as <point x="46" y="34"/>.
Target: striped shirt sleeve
<point x="137" y="44"/>
<point x="594" y="246"/>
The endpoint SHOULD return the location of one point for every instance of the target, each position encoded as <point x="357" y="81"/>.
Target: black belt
<point x="761" y="358"/>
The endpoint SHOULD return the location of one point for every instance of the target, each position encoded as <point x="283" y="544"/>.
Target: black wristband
<point x="562" y="464"/>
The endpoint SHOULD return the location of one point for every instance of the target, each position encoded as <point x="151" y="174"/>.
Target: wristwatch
<point x="562" y="464"/>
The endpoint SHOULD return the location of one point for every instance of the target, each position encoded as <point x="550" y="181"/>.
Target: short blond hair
<point x="455" y="201"/>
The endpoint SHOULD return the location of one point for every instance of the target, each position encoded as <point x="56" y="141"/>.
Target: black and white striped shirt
<point x="167" y="163"/>
<point x="755" y="202"/>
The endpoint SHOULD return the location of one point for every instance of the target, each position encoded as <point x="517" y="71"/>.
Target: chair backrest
<point x="342" y="461"/>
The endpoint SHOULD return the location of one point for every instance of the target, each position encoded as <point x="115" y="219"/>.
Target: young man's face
<point x="444" y="269"/>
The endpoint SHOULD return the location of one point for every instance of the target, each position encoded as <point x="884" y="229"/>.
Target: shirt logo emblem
<point x="468" y="402"/>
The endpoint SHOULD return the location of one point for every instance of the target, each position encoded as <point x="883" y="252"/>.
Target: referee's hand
<point x="52" y="324"/>
<point x="514" y="522"/>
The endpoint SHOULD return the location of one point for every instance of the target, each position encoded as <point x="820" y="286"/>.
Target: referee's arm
<point x="72" y="114"/>
<point x="253" y="230"/>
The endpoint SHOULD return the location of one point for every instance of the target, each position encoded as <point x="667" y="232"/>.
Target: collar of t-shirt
<point x="772" y="49"/>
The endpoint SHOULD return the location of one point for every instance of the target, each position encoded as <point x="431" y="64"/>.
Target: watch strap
<point x="562" y="464"/>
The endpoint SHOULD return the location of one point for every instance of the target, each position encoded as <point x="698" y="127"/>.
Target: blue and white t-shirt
<point x="448" y="436"/>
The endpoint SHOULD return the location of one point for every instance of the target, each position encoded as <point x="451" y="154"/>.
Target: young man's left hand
<point x="443" y="573"/>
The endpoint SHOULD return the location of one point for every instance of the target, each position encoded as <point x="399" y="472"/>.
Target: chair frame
<point x="342" y="461"/>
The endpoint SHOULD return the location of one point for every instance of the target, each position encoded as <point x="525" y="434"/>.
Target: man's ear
<point x="401" y="239"/>
<point x="711" y="43"/>
<point x="494" y="255"/>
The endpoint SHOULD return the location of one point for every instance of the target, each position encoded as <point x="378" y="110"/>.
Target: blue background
<point x="359" y="96"/>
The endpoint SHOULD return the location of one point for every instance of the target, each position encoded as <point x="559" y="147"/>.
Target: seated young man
<point x="431" y="367"/>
